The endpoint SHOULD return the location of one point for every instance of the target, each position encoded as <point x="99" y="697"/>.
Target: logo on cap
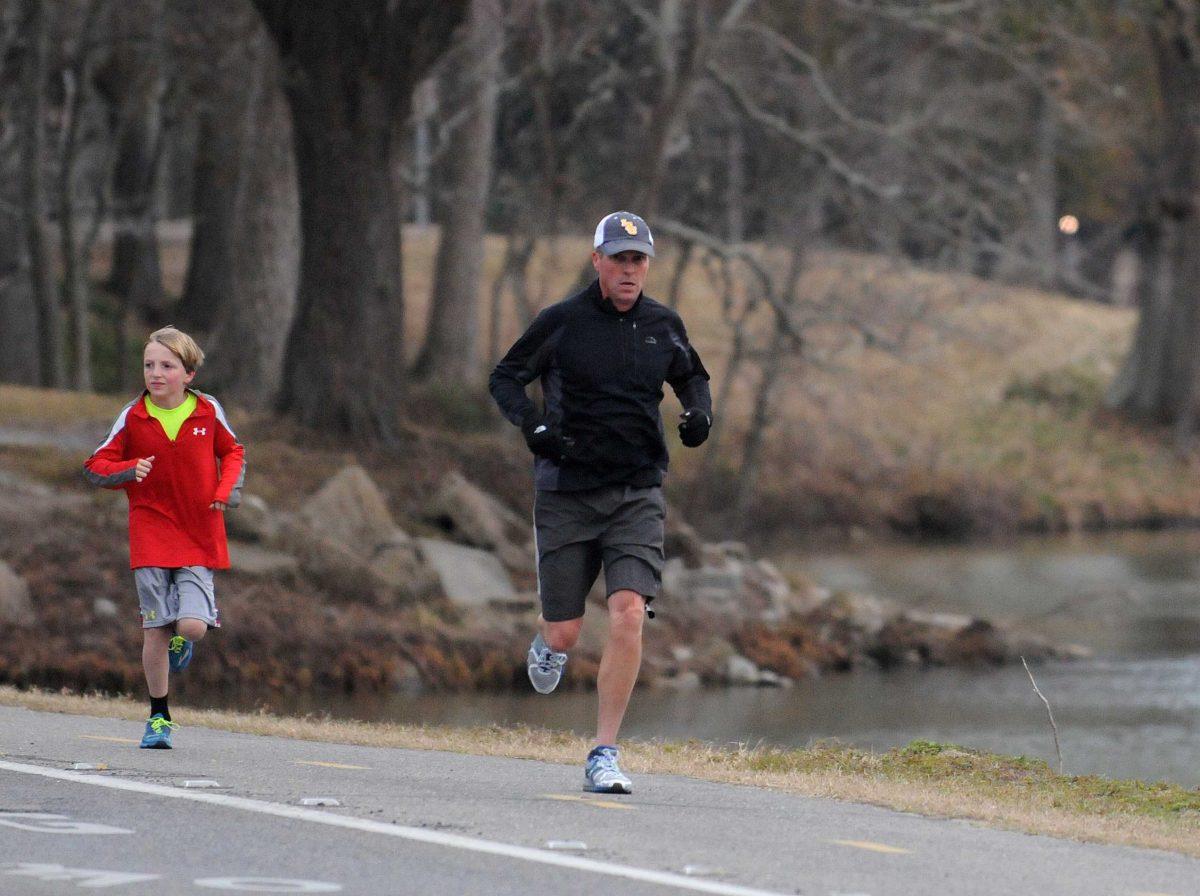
<point x="629" y="226"/>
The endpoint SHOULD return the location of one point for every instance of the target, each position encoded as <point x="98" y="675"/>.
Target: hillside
<point x="924" y="404"/>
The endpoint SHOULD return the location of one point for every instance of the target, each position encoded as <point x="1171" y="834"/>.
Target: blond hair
<point x="181" y="345"/>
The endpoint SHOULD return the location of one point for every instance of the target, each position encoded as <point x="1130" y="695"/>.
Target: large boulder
<point x="350" y="510"/>
<point x="15" y="605"/>
<point x="252" y="520"/>
<point x="346" y="539"/>
<point x="468" y="576"/>
<point x="470" y="515"/>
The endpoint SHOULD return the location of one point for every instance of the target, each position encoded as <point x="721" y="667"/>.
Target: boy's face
<point x="166" y="379"/>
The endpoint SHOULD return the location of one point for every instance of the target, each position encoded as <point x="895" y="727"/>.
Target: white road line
<point x="420" y="835"/>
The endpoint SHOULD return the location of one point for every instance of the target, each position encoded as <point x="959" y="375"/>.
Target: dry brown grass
<point x="929" y="779"/>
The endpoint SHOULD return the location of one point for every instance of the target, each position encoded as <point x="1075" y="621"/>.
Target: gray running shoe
<point x="545" y="666"/>
<point x="603" y="775"/>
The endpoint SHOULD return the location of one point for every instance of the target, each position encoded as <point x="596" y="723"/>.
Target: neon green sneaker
<point x="158" y="733"/>
<point x="179" y="653"/>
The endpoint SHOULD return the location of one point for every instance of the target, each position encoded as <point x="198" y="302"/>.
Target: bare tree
<point x="136" y="81"/>
<point x="451" y="351"/>
<point x="350" y="68"/>
<point x="244" y="264"/>
<point x="1160" y="380"/>
<point x="45" y="297"/>
<point x="75" y="247"/>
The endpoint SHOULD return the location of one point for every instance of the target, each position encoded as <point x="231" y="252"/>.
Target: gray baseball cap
<point x="623" y="232"/>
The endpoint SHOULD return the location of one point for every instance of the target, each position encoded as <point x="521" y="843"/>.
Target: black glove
<point x="693" y="428"/>
<point x="543" y="438"/>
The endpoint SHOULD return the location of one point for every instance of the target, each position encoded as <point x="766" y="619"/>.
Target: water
<point x="1131" y="711"/>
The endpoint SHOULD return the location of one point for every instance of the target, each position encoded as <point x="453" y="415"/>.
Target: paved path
<point x="414" y="822"/>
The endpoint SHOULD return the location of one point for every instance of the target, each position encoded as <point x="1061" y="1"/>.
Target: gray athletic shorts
<point x="165" y="595"/>
<point x="619" y="527"/>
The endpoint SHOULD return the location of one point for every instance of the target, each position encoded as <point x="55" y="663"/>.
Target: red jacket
<point x="170" y="520"/>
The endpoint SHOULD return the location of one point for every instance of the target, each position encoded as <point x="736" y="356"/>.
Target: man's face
<point x="621" y="276"/>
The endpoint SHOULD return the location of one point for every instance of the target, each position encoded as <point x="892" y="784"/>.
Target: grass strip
<point x="932" y="779"/>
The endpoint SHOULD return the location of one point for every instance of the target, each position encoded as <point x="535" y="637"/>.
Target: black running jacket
<point x="602" y="373"/>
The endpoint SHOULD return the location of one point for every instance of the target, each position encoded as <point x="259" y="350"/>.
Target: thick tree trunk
<point x="345" y="356"/>
<point x="351" y="66"/>
<point x="249" y="332"/>
<point x="136" y="81"/>
<point x="1160" y="381"/>
<point x="451" y="352"/>
<point x="216" y="175"/>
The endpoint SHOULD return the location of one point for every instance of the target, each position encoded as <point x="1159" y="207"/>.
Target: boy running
<point x="173" y="452"/>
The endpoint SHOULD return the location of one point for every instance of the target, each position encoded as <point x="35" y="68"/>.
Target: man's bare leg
<point x="620" y="662"/>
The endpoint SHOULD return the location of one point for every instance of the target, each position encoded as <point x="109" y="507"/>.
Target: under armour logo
<point x="199" y="431"/>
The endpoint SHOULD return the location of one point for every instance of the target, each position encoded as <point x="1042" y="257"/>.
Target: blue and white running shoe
<point x="545" y="666"/>
<point x="602" y="774"/>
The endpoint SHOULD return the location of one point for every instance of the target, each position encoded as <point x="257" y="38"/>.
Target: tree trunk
<point x="19" y="362"/>
<point x="351" y="69"/>
<point x="137" y="82"/>
<point x="76" y="295"/>
<point x="1044" y="195"/>
<point x="345" y="355"/>
<point x="51" y="371"/>
<point x="249" y="331"/>
<point x="1159" y="381"/>
<point x="451" y="352"/>
<point x="217" y="171"/>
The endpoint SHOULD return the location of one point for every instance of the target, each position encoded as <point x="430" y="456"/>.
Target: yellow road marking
<point x="873" y="847"/>
<point x="359" y="768"/>
<point x="111" y="740"/>
<point x="599" y="804"/>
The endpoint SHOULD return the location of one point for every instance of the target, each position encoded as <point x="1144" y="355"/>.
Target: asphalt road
<point x="414" y="822"/>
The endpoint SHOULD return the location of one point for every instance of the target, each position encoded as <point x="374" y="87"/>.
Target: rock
<point x="350" y="510"/>
<point x="769" y="679"/>
<point x="681" y="541"/>
<point x="683" y="681"/>
<point x="15" y="605"/>
<point x="105" y="608"/>
<point x="346" y="539"/>
<point x="940" y="639"/>
<point x="862" y="612"/>
<point x="407" y="679"/>
<point x="377" y="578"/>
<point x="741" y="671"/>
<point x="717" y="589"/>
<point x="258" y="561"/>
<point x="468" y="576"/>
<point x="252" y="520"/>
<point x="470" y="515"/>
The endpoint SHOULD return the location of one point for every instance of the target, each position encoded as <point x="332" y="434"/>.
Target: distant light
<point x="1068" y="224"/>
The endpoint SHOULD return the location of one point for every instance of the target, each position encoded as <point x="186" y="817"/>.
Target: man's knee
<point x="626" y="612"/>
<point x="562" y="636"/>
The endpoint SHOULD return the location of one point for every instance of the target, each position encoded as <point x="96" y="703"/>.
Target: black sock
<point x="158" y="705"/>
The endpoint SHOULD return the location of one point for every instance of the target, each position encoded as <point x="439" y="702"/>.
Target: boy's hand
<point x="142" y="470"/>
<point x="217" y="505"/>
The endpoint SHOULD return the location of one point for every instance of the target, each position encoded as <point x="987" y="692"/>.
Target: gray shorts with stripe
<point x="166" y="595"/>
<point x="617" y="527"/>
